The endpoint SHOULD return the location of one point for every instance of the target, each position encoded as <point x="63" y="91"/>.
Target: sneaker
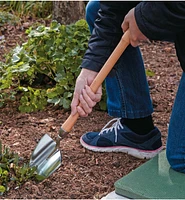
<point x="119" y="138"/>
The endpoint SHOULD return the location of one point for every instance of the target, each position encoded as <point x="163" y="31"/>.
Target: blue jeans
<point x="126" y="84"/>
<point x="175" y="150"/>
<point x="92" y="13"/>
<point x="128" y="96"/>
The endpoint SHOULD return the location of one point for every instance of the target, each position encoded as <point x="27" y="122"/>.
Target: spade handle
<point x="109" y="64"/>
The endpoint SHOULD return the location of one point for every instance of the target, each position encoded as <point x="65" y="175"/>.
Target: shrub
<point x="44" y="69"/>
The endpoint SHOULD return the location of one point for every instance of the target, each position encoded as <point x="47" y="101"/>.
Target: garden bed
<point x="84" y="174"/>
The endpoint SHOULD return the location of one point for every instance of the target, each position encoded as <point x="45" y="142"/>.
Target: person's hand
<point x="84" y="95"/>
<point x="129" y="22"/>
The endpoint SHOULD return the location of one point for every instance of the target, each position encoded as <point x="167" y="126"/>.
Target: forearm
<point x="160" y="20"/>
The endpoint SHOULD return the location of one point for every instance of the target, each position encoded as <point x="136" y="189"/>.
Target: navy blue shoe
<point x="119" y="138"/>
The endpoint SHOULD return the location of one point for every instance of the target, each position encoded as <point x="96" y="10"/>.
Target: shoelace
<point x="116" y="126"/>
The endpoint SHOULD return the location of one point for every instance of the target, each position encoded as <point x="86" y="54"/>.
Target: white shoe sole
<point x="138" y="153"/>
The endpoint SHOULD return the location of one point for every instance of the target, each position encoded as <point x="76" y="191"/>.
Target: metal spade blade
<point x="46" y="157"/>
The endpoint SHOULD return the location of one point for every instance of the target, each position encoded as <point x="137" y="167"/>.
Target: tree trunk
<point x="67" y="12"/>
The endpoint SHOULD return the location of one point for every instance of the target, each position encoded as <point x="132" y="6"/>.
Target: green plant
<point x="13" y="169"/>
<point x="149" y="73"/>
<point x="8" y="18"/>
<point x="28" y="8"/>
<point x="44" y="69"/>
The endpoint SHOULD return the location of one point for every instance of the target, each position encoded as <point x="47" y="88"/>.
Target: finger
<point x="81" y="112"/>
<point x="134" y="43"/>
<point x="87" y="97"/>
<point x="74" y="103"/>
<point x="87" y="109"/>
<point x="124" y="26"/>
<point x="98" y="94"/>
<point x="95" y="97"/>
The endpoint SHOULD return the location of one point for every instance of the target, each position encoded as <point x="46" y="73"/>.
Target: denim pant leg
<point x="127" y="87"/>
<point x="176" y="133"/>
<point x="92" y="13"/>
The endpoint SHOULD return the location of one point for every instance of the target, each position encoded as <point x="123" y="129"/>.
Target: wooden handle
<point x="120" y="48"/>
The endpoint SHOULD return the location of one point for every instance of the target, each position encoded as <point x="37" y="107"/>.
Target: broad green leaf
<point x="51" y="93"/>
<point x="37" y="93"/>
<point x="66" y="103"/>
<point x="67" y="95"/>
<point x="55" y="101"/>
<point x="22" y="68"/>
<point x="2" y="189"/>
<point x="15" y="58"/>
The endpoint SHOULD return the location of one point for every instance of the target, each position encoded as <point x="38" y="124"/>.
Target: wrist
<point x="88" y="72"/>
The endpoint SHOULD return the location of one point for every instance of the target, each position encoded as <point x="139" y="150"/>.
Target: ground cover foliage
<point x="44" y="68"/>
<point x="13" y="170"/>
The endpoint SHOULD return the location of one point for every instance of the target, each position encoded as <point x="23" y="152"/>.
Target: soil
<point x="83" y="174"/>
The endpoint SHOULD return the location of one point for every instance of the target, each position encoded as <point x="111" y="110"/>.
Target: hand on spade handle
<point x="83" y="94"/>
<point x="120" y="48"/>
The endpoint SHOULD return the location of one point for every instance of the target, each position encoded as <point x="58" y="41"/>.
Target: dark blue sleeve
<point x="160" y="20"/>
<point x="106" y="34"/>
